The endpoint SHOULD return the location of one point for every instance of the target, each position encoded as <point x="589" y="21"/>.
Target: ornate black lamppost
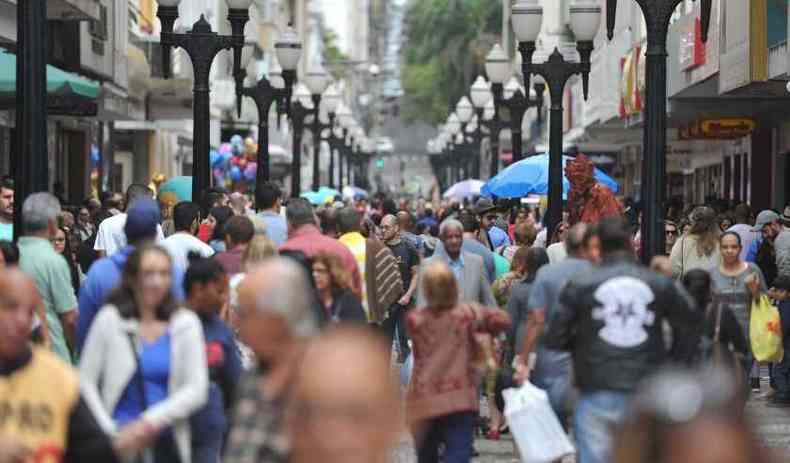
<point x="202" y="45"/>
<point x="465" y="112"/>
<point x="498" y="70"/>
<point x="345" y="121"/>
<point x="276" y="88"/>
<point x="657" y="14"/>
<point x="316" y="80"/>
<point x="527" y="19"/>
<point x="330" y="104"/>
<point x="298" y="115"/>
<point x="480" y="94"/>
<point x="29" y="166"/>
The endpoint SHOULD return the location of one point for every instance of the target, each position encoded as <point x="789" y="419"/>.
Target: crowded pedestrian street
<point x="394" y="231"/>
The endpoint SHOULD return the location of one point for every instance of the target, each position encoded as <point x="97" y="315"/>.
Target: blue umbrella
<point x="321" y="196"/>
<point x="531" y="176"/>
<point x="181" y="187"/>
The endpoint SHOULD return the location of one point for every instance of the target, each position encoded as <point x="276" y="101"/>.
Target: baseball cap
<point x="764" y="218"/>
<point x="141" y="220"/>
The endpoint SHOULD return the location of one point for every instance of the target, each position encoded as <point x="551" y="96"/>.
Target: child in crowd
<point x="206" y="289"/>
<point x="781" y="371"/>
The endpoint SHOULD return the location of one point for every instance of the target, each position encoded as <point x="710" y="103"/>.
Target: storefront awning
<point x="67" y="93"/>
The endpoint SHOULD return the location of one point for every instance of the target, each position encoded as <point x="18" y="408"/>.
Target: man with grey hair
<point x="275" y="321"/>
<point x="468" y="268"/>
<point x="49" y="270"/>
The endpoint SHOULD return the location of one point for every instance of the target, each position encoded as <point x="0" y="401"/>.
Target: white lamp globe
<point x="464" y="109"/>
<point x="276" y="75"/>
<point x="585" y="19"/>
<point x="480" y="92"/>
<point x="302" y="95"/>
<point x="453" y="124"/>
<point x="316" y="79"/>
<point x="331" y="99"/>
<point x="344" y="116"/>
<point x="497" y="65"/>
<point x="488" y="111"/>
<point x="527" y="18"/>
<point x="288" y="49"/>
<point x="511" y="88"/>
<point x="239" y="4"/>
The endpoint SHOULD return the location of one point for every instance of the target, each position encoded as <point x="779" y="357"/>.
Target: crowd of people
<point x="243" y="329"/>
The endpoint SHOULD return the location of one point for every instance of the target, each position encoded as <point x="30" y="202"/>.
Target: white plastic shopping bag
<point x="534" y="425"/>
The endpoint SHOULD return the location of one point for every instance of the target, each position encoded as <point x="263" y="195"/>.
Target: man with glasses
<point x="671" y="231"/>
<point x="491" y="235"/>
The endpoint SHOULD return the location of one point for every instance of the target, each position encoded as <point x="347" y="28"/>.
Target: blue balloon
<point x="214" y="158"/>
<point x="237" y="140"/>
<point x="235" y="173"/>
<point x="95" y="155"/>
<point x="226" y="157"/>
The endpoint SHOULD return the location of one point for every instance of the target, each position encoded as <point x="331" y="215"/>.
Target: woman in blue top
<point x="206" y="289"/>
<point x="143" y="366"/>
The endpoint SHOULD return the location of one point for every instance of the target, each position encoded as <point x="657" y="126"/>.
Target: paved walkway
<point x="772" y="426"/>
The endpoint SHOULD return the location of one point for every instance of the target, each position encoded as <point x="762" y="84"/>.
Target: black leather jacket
<point x="611" y="320"/>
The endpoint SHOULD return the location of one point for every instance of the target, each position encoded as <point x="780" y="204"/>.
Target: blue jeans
<point x="558" y="388"/>
<point x="596" y="414"/>
<point x="456" y="431"/>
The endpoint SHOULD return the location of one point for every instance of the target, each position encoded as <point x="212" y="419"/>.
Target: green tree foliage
<point x="335" y="59"/>
<point x="446" y="45"/>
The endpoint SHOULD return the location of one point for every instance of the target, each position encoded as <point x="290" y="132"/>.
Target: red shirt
<point x="309" y="240"/>
<point x="444" y="380"/>
<point x="231" y="260"/>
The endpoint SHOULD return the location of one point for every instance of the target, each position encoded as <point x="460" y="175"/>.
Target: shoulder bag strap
<point x="138" y="376"/>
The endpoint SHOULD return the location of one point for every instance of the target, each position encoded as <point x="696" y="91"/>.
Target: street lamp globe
<point x="480" y="93"/>
<point x="316" y="79"/>
<point x="238" y="4"/>
<point x="288" y="49"/>
<point x="511" y="88"/>
<point x="302" y="95"/>
<point x="464" y="109"/>
<point x="527" y="17"/>
<point x="585" y="19"/>
<point x="344" y="116"/>
<point x="331" y="99"/>
<point x="459" y="138"/>
<point x="453" y="124"/>
<point x="497" y="65"/>
<point x="276" y="75"/>
<point x="471" y="127"/>
<point x="489" y="111"/>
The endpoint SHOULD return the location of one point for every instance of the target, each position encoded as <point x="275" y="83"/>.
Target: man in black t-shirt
<point x="408" y="263"/>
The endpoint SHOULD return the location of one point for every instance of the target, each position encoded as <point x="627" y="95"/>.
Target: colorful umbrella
<point x="322" y="196"/>
<point x="181" y="187"/>
<point x="531" y="176"/>
<point x="464" y="189"/>
<point x="352" y="192"/>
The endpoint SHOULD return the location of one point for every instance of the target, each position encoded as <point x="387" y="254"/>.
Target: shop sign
<point x="718" y="129"/>
<point x="692" y="49"/>
<point x="632" y="83"/>
<point x="743" y="46"/>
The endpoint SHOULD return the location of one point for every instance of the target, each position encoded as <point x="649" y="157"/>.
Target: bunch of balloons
<point x="233" y="165"/>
